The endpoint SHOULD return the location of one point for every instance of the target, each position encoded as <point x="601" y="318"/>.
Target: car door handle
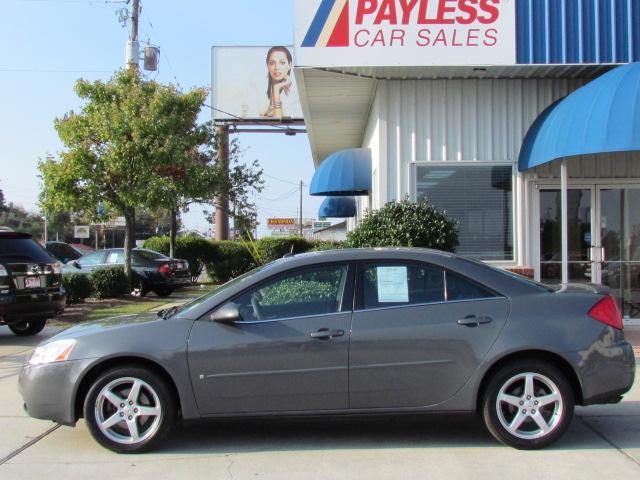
<point x="473" y="321"/>
<point x="326" y="334"/>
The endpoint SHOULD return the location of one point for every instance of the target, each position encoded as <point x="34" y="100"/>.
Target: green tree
<point x="124" y="149"/>
<point x="405" y="224"/>
<point x="3" y="207"/>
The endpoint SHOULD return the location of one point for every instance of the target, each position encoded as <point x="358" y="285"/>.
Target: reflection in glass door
<point x="579" y="221"/>
<point x="620" y="241"/>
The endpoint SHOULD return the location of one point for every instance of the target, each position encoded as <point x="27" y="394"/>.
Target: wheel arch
<point x="129" y="361"/>
<point x="551" y="358"/>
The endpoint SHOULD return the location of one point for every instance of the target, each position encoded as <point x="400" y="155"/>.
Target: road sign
<point x="81" y="231"/>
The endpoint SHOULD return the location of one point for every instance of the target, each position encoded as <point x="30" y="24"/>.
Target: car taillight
<point x="607" y="312"/>
<point x="165" y="269"/>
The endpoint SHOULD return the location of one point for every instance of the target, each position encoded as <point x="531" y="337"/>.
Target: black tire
<point x="517" y="420"/>
<point x="163" y="292"/>
<point x="150" y="428"/>
<point x="28" y="327"/>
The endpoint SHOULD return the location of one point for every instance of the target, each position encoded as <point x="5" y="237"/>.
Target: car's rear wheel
<point x="28" y="327"/>
<point x="129" y="409"/>
<point x="528" y="404"/>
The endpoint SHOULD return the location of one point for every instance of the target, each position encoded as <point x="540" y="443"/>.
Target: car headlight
<point x="56" y="351"/>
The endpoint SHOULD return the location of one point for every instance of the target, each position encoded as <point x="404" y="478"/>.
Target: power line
<point x="297" y="184"/>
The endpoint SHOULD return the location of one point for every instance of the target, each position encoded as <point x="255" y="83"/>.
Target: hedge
<point x="109" y="282"/>
<point x="273" y="248"/>
<point x="77" y="286"/>
<point x="195" y="250"/>
<point x="229" y="260"/>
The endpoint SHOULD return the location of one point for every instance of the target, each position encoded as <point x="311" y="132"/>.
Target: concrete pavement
<point x="602" y="442"/>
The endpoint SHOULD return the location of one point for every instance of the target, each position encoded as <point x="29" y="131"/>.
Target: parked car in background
<point x="362" y="331"/>
<point x="30" y="284"/>
<point x="62" y="251"/>
<point x="152" y="271"/>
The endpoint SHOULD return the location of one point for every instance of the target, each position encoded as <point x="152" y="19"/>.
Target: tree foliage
<point x="405" y="224"/>
<point x="133" y="144"/>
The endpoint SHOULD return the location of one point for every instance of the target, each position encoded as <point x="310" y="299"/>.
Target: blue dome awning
<point x="601" y="117"/>
<point x="337" y="207"/>
<point x="343" y="173"/>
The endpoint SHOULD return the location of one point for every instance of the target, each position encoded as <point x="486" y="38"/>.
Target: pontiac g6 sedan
<point x="384" y="331"/>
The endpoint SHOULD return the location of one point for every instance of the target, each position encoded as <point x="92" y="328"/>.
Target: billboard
<point x="254" y="83"/>
<point x="361" y="33"/>
<point x="281" y="223"/>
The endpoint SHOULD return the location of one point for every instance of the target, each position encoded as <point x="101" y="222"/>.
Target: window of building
<point x="480" y="198"/>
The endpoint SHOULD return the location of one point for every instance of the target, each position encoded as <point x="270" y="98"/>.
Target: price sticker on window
<point x="392" y="284"/>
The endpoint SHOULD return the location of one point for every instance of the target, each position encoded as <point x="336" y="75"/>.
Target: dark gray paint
<point x="275" y="368"/>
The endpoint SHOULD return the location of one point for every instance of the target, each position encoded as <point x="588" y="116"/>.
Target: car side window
<point x="115" y="258"/>
<point x="459" y="288"/>
<point x="91" y="259"/>
<point x="312" y="291"/>
<point x="397" y="284"/>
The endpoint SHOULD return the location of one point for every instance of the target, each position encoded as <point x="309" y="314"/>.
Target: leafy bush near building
<point x="321" y="245"/>
<point x="405" y="224"/>
<point x="77" y="286"/>
<point x="110" y="282"/>
<point x="195" y="250"/>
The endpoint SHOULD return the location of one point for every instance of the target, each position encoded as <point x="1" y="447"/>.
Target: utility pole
<point x="221" y="201"/>
<point x="133" y="46"/>
<point x="301" y="208"/>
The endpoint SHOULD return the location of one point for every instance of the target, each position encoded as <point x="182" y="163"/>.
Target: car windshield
<point x="21" y="250"/>
<point x="188" y="307"/>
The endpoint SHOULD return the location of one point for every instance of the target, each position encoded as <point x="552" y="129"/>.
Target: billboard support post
<point x="221" y="201"/>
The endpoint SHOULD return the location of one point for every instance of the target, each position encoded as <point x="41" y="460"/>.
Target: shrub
<point x="273" y="248"/>
<point x="320" y="245"/>
<point x="229" y="260"/>
<point x="77" y="286"/>
<point x="298" y="291"/>
<point x="195" y="250"/>
<point x="110" y="282"/>
<point x="405" y="224"/>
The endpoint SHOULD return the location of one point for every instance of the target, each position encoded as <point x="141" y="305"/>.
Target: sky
<point x="46" y="45"/>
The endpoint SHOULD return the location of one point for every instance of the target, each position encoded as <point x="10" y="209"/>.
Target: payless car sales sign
<point x="342" y="33"/>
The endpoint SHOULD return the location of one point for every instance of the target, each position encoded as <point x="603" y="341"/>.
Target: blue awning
<point x="343" y="173"/>
<point x="337" y="207"/>
<point x="601" y="117"/>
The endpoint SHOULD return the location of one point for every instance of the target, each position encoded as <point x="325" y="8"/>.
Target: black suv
<point x="30" y="284"/>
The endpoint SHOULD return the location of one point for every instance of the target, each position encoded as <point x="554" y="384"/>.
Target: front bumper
<point x="15" y="308"/>
<point x="607" y="372"/>
<point x="49" y="390"/>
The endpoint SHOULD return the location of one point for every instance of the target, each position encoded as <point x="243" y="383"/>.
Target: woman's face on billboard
<point x="278" y="65"/>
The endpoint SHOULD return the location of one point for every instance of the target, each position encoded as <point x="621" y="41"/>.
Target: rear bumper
<point x="606" y="372"/>
<point x="16" y="308"/>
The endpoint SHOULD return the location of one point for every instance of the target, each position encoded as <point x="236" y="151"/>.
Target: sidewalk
<point x="632" y="334"/>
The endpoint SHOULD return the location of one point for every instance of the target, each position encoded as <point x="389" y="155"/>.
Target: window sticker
<point x="392" y="284"/>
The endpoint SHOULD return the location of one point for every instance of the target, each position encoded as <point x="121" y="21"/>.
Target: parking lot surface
<point x="602" y="442"/>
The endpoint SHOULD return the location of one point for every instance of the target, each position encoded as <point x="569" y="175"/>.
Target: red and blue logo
<point x="330" y="26"/>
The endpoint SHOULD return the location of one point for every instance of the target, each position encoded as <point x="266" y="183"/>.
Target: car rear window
<point x="150" y="255"/>
<point x="23" y="250"/>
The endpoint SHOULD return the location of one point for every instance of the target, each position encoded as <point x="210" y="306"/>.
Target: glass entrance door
<point x="581" y="264"/>
<point x="619" y="255"/>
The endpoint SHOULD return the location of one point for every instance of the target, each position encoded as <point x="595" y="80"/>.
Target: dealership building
<point x="519" y="118"/>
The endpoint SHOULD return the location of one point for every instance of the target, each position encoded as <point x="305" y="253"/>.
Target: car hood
<point x="145" y="335"/>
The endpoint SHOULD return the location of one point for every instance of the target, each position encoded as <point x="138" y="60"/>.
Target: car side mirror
<point x="227" y="313"/>
<point x="76" y="264"/>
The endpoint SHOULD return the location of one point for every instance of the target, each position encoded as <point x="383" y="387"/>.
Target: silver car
<point x="373" y="331"/>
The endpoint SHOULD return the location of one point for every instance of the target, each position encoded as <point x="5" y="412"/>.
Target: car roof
<point x="14" y="235"/>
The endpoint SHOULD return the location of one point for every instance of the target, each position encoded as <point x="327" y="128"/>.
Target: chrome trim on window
<point x="424" y="304"/>
<point x="251" y="322"/>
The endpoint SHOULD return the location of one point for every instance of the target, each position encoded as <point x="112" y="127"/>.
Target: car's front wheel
<point x="28" y="327"/>
<point x="528" y="404"/>
<point x="129" y="409"/>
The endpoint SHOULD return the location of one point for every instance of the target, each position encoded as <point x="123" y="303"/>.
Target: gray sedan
<point x="366" y="331"/>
